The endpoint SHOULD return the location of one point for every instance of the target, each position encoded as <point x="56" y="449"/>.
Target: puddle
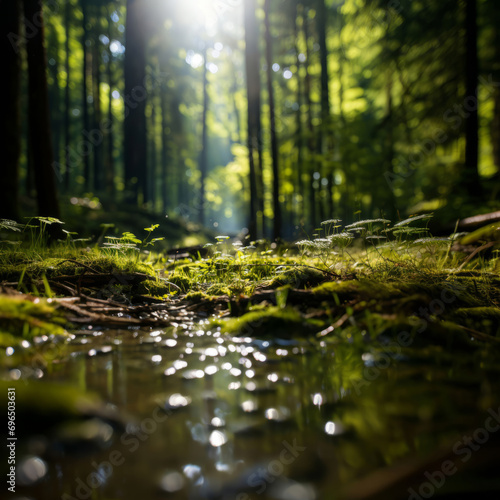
<point x="211" y="416"/>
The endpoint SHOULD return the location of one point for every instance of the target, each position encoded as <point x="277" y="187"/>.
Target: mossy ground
<point x="395" y="337"/>
<point x="358" y="290"/>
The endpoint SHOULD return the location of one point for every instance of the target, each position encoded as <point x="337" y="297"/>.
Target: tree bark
<point x="165" y="152"/>
<point x="39" y="123"/>
<point x="203" y="152"/>
<point x="272" y="119"/>
<point x="325" y="133"/>
<point x="55" y="99"/>
<point x="252" y="66"/>
<point x="85" y="105"/>
<point x="311" y="141"/>
<point x="471" y="180"/>
<point x="110" y="161"/>
<point x="135" y="135"/>
<point x="67" y="99"/>
<point x="96" y="92"/>
<point x="10" y="124"/>
<point x="321" y="21"/>
<point x="236" y="111"/>
<point x="299" y="134"/>
<point x="390" y="209"/>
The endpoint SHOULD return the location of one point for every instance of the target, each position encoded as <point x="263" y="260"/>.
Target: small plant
<point x="128" y="242"/>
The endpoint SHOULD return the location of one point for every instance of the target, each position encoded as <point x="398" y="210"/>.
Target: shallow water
<point x="208" y="416"/>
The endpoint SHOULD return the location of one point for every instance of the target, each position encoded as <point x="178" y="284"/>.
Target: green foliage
<point x="271" y="321"/>
<point x="23" y="320"/>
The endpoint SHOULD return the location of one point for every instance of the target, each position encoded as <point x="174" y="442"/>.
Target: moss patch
<point x="270" y="322"/>
<point x="23" y="319"/>
<point x="491" y="232"/>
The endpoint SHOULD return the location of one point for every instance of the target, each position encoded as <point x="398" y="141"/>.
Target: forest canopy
<point x="269" y="115"/>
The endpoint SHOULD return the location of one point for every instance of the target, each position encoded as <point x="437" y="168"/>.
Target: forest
<point x="272" y="117"/>
<point x="249" y="249"/>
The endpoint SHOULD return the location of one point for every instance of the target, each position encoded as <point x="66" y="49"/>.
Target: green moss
<point x="59" y="399"/>
<point x="43" y="406"/>
<point x="270" y="322"/>
<point x="299" y="277"/>
<point x="183" y="282"/>
<point x="365" y="289"/>
<point x="218" y="289"/>
<point x="479" y="312"/>
<point x="61" y="260"/>
<point x="155" y="288"/>
<point x="22" y="319"/>
<point x="197" y="297"/>
<point x="491" y="232"/>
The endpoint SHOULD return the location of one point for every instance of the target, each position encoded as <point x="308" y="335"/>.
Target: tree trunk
<point x="311" y="142"/>
<point x="110" y="161"/>
<point x="39" y="123"/>
<point x="55" y="99"/>
<point x="165" y="153"/>
<point x="10" y="124"/>
<point x="135" y="135"/>
<point x="495" y="122"/>
<point x="471" y="180"/>
<point x="85" y="105"/>
<point x="495" y="132"/>
<point x="153" y="152"/>
<point x="203" y="152"/>
<point x="252" y="66"/>
<point x="324" y="140"/>
<point x="67" y="100"/>
<point x="299" y="139"/>
<point x="272" y="120"/>
<point x="236" y="111"/>
<point x="96" y="92"/>
<point x="390" y="210"/>
<point x="321" y="21"/>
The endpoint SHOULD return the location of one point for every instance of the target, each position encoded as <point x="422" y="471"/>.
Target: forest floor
<point x="392" y="294"/>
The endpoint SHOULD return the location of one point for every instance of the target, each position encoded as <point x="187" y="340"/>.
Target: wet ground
<point x="203" y="415"/>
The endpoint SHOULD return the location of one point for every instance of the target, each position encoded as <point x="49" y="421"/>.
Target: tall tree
<point x="67" y="96"/>
<point x="39" y="122"/>
<point x="321" y="23"/>
<point x="310" y="129"/>
<point x="471" y="180"/>
<point x="299" y="135"/>
<point x="10" y="116"/>
<point x="204" y="151"/>
<point x="53" y="51"/>
<point x="96" y="93"/>
<point x="85" y="93"/>
<point x="110" y="161"/>
<point x="325" y="132"/>
<point x="135" y="135"/>
<point x="272" y="121"/>
<point x="165" y="151"/>
<point x="252" y="66"/>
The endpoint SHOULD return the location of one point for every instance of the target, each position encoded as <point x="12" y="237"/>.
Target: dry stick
<point x="108" y="302"/>
<point x="79" y="263"/>
<point x="65" y="287"/>
<point x="479" y="335"/>
<point x="333" y="275"/>
<point x="475" y="252"/>
<point x="101" y="319"/>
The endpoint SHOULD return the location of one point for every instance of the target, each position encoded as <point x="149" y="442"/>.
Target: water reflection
<point x="227" y="405"/>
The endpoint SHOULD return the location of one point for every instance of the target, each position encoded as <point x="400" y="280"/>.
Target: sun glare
<point x="204" y="13"/>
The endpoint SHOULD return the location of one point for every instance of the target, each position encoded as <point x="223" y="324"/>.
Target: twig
<point x="79" y="263"/>
<point x="475" y="252"/>
<point x="296" y="266"/>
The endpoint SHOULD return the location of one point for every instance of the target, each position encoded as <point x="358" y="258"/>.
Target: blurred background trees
<point x="267" y="114"/>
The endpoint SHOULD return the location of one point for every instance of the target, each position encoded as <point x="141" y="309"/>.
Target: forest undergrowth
<point x="367" y="283"/>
